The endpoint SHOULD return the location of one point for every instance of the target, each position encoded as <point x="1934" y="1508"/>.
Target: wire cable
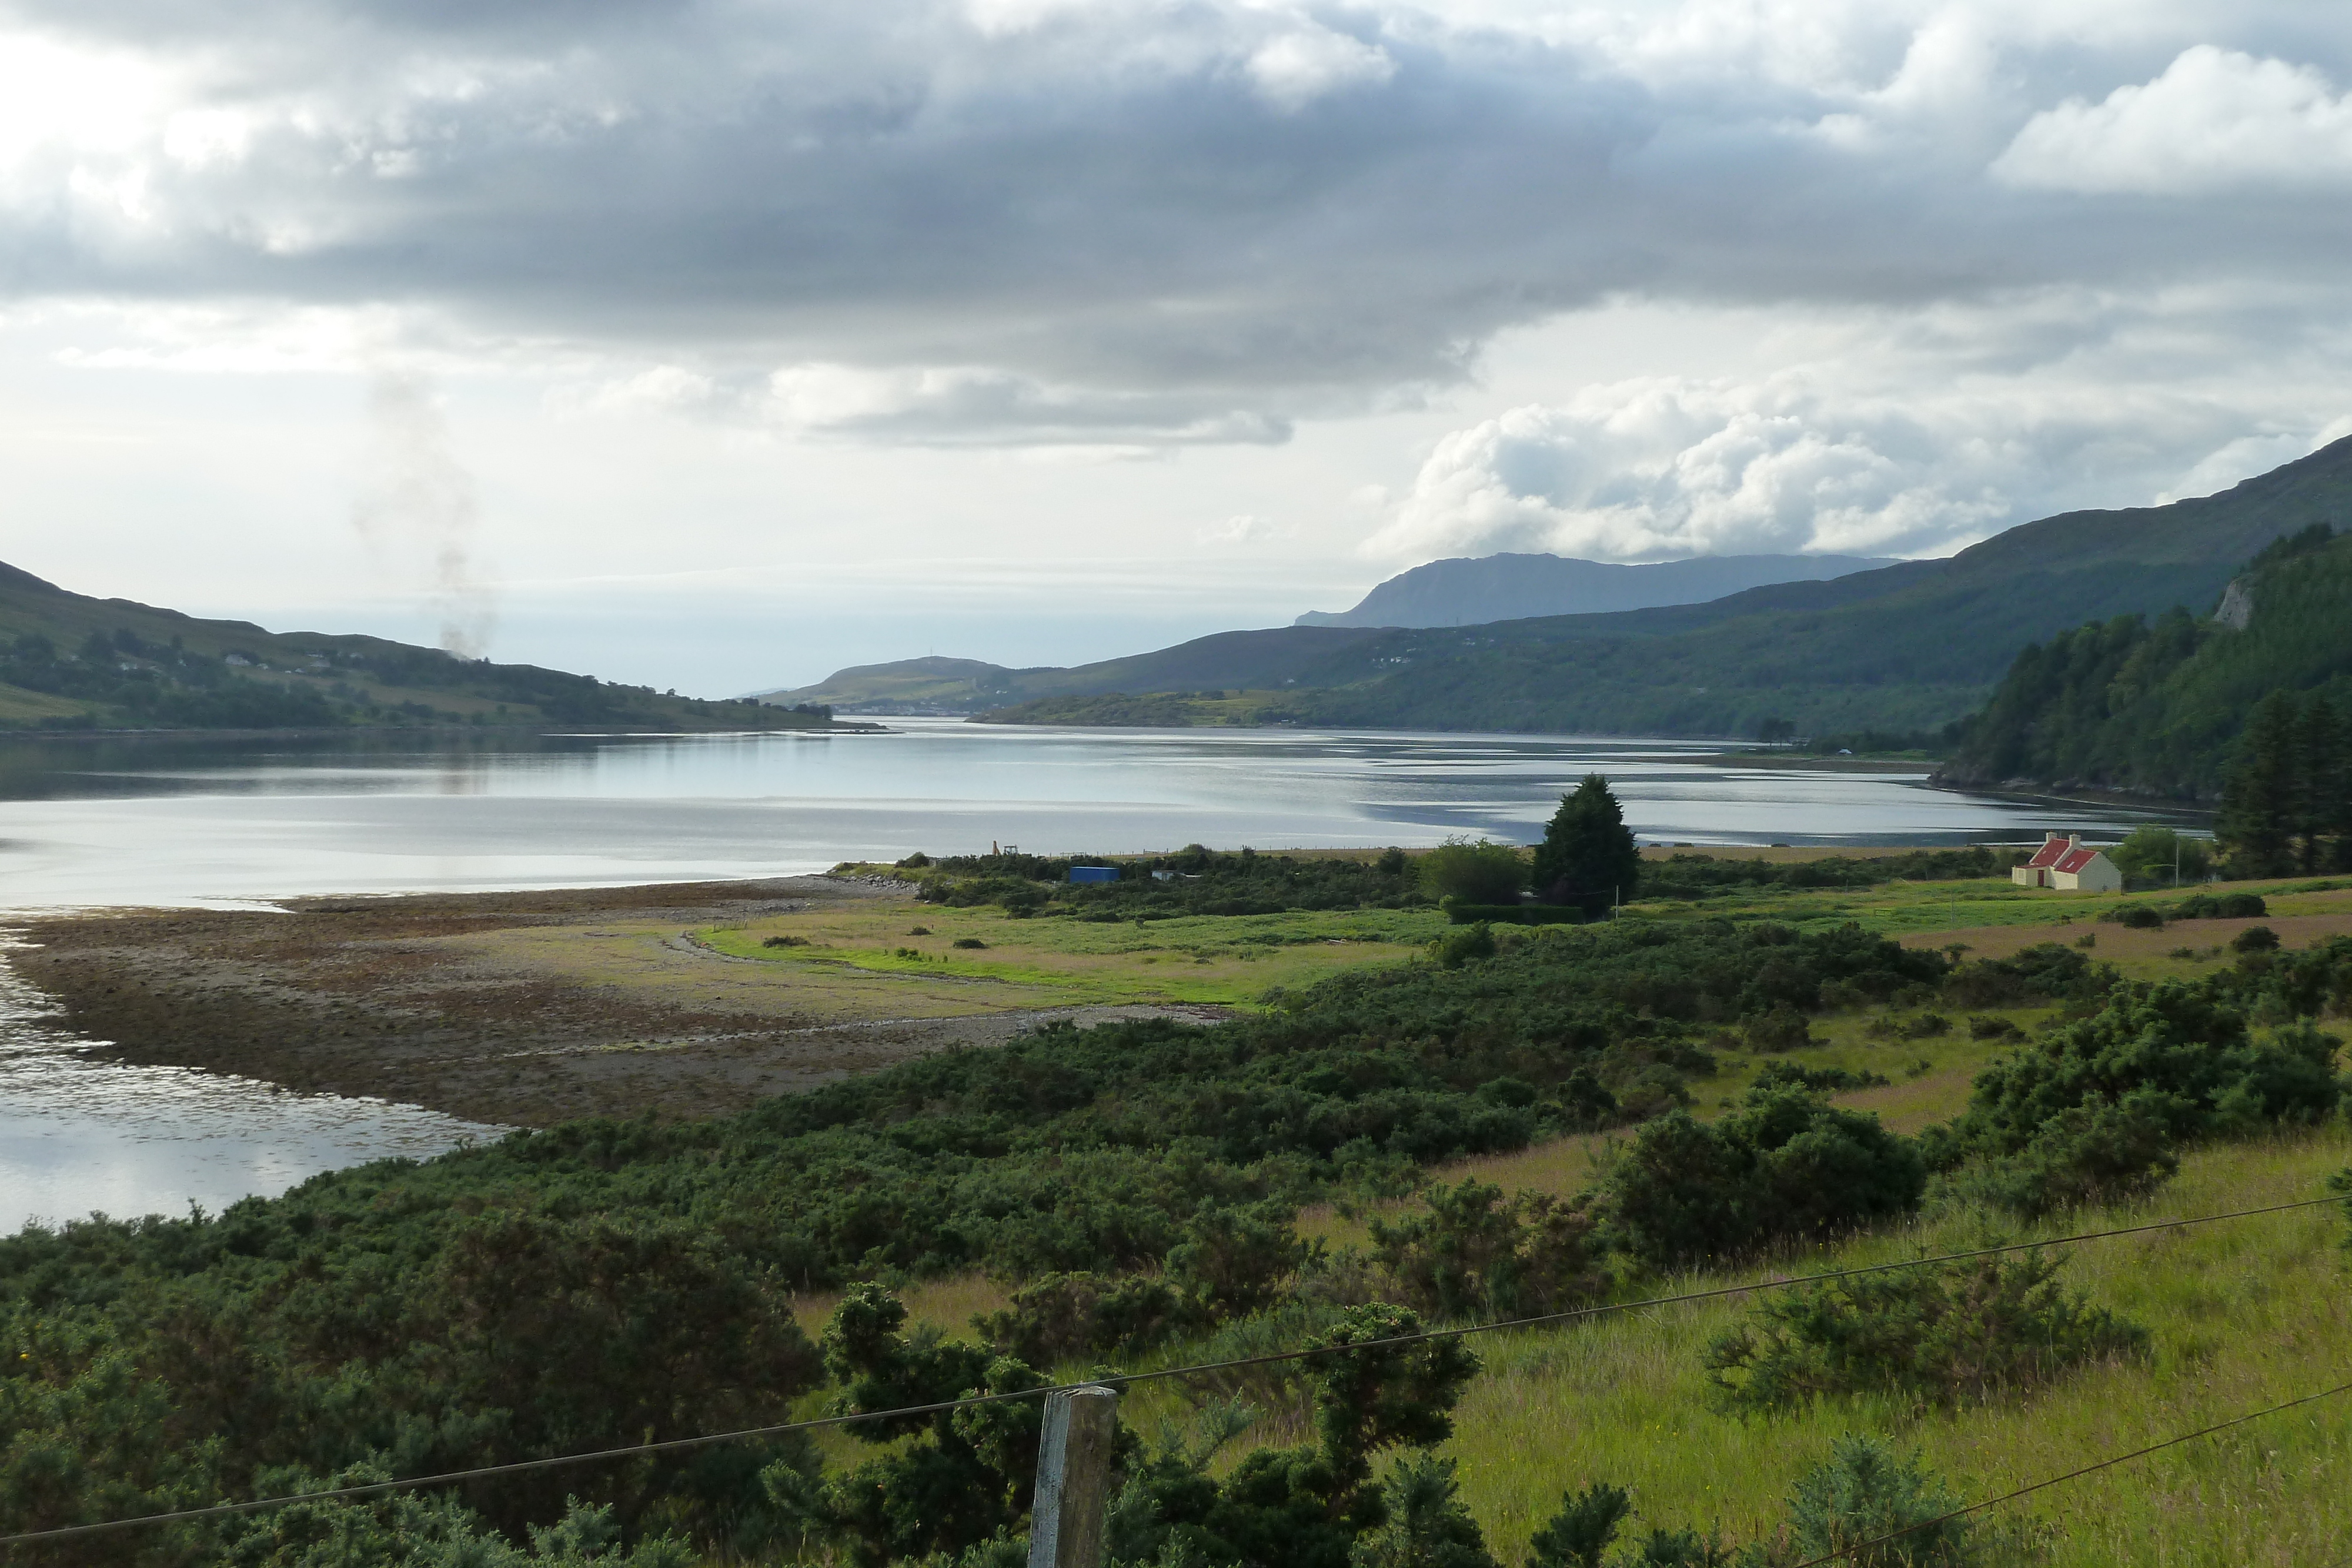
<point x="672" y="1445"/>
<point x="1878" y="1541"/>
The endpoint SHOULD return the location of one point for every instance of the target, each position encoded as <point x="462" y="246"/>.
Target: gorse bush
<point x="1311" y="1506"/>
<point x="2097" y="1109"/>
<point x="2045" y="972"/>
<point x="1782" y="1166"/>
<point x="1064" y="1317"/>
<point x="1478" y="1254"/>
<point x="1936" y="1333"/>
<point x="1475" y="871"/>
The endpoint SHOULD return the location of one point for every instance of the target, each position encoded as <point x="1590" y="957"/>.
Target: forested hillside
<point x="71" y="662"/>
<point x="1906" y="648"/>
<point x="2157" y="706"/>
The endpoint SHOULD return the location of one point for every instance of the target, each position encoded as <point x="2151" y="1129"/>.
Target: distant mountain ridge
<point x="1911" y="647"/>
<point x="1465" y="592"/>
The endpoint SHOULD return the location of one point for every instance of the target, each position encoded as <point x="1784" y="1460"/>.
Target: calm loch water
<point x="191" y="821"/>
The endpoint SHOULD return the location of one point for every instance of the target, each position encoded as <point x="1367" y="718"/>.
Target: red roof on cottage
<point x="2066" y="854"/>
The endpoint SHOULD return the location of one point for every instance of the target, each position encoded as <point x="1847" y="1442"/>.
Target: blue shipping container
<point x="1094" y="874"/>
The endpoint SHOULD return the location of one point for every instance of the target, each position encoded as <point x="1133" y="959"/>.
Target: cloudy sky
<point x="717" y="343"/>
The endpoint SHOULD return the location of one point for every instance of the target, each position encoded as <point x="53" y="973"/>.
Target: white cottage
<point x="2066" y="864"/>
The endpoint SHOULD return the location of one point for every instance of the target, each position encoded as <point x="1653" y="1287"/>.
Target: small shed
<point x="1094" y="874"/>
<point x="2066" y="864"/>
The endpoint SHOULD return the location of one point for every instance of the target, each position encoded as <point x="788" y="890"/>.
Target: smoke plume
<point x="420" y="509"/>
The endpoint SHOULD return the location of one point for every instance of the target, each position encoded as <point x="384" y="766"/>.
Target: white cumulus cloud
<point x="1661" y="467"/>
<point x="1292" y="70"/>
<point x="2216" y="119"/>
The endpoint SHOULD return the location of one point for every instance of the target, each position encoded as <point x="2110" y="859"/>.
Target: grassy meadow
<point x="2241" y="1313"/>
<point x="1211" y="960"/>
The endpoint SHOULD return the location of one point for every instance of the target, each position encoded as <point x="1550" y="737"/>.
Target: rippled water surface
<point x="182" y="821"/>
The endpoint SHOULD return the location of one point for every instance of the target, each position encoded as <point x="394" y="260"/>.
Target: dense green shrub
<point x="1426" y="1525"/>
<point x="2184" y="1043"/>
<point x="1937" y="1334"/>
<point x="953" y="1477"/>
<point x="1192" y="881"/>
<point x="2150" y="853"/>
<point x="1866" y="1492"/>
<point x="1465" y="944"/>
<point x="1814" y="1080"/>
<point x="1782" y="1028"/>
<point x="1475" y="871"/>
<point x="2255" y="939"/>
<point x="2222" y="907"/>
<point x="2045" y="972"/>
<point x="1066" y="1317"/>
<point x="1687" y="875"/>
<point x="1236" y="1258"/>
<point x="1476" y="1254"/>
<point x="2096" y="1110"/>
<point x="1783" y="1165"/>
<point x="1582" y="1531"/>
<point x="2102" y="1152"/>
<point x="1308" y="1506"/>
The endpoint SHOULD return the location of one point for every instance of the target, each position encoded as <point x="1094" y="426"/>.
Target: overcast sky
<point x="720" y="344"/>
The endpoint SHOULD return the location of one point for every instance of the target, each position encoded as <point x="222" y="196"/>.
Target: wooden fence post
<point x="1066" y="1520"/>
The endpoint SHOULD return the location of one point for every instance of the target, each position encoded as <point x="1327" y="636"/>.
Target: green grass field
<point x="2242" y="1313"/>
<point x="1219" y="960"/>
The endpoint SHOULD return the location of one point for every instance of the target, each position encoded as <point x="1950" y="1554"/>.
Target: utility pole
<point x="1065" y="1518"/>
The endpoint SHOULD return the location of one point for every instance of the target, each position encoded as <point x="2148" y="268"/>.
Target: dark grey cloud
<point x="1200" y="220"/>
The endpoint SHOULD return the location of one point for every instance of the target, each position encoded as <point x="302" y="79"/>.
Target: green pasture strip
<point x="1149" y="960"/>
<point x="1048" y="988"/>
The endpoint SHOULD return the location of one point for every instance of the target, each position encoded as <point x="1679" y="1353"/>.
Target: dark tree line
<point x="2287" y="804"/>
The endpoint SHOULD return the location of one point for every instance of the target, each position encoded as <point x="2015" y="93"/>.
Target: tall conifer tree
<point x="1588" y="857"/>
<point x="2319" y="748"/>
<point x="2260" y="802"/>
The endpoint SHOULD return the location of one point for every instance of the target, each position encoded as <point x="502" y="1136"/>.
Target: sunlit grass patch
<point x="2242" y="1313"/>
<point x="1221" y="960"/>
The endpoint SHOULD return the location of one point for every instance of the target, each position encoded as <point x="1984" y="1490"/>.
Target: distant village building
<point x="2066" y="864"/>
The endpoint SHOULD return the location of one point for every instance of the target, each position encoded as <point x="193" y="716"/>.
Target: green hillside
<point x="71" y="662"/>
<point x="2157" y="707"/>
<point x="1909" y="647"/>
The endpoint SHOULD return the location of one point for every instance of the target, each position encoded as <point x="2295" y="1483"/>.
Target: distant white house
<point x="2066" y="864"/>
